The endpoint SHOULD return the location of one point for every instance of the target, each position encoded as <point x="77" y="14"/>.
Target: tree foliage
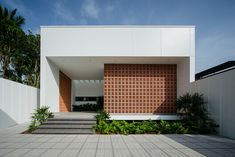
<point x="19" y="51"/>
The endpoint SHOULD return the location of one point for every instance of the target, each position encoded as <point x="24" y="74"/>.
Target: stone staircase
<point x="66" y="126"/>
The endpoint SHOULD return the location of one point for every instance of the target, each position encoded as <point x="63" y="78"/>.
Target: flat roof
<point x="119" y="26"/>
<point x="224" y="67"/>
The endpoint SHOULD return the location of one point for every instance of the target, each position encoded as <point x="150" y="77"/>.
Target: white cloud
<point x="90" y="9"/>
<point x="63" y="13"/>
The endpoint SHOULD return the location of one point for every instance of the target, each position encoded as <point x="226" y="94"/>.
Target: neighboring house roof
<point x="216" y="70"/>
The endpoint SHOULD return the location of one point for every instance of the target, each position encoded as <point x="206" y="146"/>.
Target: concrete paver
<point x="52" y="152"/>
<point x="75" y="145"/>
<point x="35" y="153"/>
<point x="104" y="153"/>
<point x="17" y="153"/>
<point x="69" y="153"/>
<point x="12" y="144"/>
<point x="87" y="153"/>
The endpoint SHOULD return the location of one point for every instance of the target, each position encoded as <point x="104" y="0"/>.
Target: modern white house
<point x="139" y="70"/>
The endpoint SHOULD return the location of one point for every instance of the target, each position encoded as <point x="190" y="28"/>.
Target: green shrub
<point x="179" y="128"/>
<point x="32" y="126"/>
<point x="121" y="127"/>
<point x="103" y="127"/>
<point x="191" y="107"/>
<point x="164" y="127"/>
<point x="148" y="126"/>
<point x="102" y="116"/>
<point x="133" y="127"/>
<point x="192" y="110"/>
<point x="42" y="114"/>
<point x="124" y="127"/>
<point x="106" y="126"/>
<point x="39" y="116"/>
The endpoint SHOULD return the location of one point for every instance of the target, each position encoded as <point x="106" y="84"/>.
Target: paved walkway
<point x="14" y="144"/>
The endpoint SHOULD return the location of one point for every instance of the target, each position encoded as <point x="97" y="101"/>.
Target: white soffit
<point x="92" y="68"/>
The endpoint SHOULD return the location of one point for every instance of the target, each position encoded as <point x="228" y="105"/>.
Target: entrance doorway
<point x="87" y="95"/>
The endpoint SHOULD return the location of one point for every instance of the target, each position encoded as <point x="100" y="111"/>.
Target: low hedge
<point x="106" y="126"/>
<point x="150" y="127"/>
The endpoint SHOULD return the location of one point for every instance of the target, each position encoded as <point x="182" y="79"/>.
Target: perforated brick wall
<point x="65" y="93"/>
<point x="140" y="88"/>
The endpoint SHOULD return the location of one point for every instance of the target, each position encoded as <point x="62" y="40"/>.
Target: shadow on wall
<point x="55" y="71"/>
<point x="168" y="97"/>
<point x="6" y="120"/>
<point x="38" y="98"/>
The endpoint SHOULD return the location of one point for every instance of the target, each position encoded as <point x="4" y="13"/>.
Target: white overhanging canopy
<point x="91" y="69"/>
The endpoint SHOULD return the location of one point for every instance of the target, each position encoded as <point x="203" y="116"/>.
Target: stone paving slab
<point x="14" y="144"/>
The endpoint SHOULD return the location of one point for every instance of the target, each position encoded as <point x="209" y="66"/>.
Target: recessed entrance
<point x="87" y="95"/>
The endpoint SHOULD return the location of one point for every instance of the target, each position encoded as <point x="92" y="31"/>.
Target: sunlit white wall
<point x="17" y="102"/>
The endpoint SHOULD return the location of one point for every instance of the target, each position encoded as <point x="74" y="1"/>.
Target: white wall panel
<point x="49" y="85"/>
<point x="219" y="93"/>
<point x="17" y="102"/>
<point x="118" y="40"/>
<point x="176" y="41"/>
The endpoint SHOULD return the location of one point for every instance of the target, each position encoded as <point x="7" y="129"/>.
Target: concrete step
<point x="63" y="131"/>
<point x="56" y="126"/>
<point x="69" y="123"/>
<point x="71" y="119"/>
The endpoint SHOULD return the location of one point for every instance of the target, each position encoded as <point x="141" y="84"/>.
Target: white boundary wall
<point x="17" y="102"/>
<point x="219" y="93"/>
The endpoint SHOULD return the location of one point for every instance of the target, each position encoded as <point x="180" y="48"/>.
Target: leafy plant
<point x="179" y="128"/>
<point x="32" y="126"/>
<point x="39" y="116"/>
<point x="148" y="126"/>
<point x="42" y="114"/>
<point x="194" y="114"/>
<point x="121" y="127"/>
<point x="191" y="106"/>
<point x="124" y="127"/>
<point x="102" y="116"/>
<point x="102" y="127"/>
<point x="192" y="122"/>
<point x="164" y="127"/>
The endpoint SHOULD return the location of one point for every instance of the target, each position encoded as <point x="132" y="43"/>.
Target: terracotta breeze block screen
<point x="140" y="88"/>
<point x="65" y="93"/>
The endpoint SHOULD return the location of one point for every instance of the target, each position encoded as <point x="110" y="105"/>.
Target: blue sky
<point x="214" y="19"/>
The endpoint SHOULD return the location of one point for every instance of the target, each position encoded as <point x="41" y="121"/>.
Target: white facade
<point x="81" y="51"/>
